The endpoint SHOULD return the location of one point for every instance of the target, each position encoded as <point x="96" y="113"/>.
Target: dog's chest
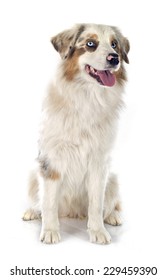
<point x="78" y="130"/>
<point x="86" y="127"/>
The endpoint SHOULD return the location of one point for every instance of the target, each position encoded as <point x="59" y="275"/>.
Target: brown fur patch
<point x="54" y="175"/>
<point x="71" y="67"/>
<point x="47" y="172"/>
<point x="92" y="36"/>
<point x="120" y="75"/>
<point x="118" y="206"/>
<point x="89" y="36"/>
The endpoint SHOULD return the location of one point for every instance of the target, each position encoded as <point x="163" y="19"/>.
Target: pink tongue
<point x="106" y="77"/>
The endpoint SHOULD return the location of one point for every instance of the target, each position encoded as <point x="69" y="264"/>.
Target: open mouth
<point x="103" y="77"/>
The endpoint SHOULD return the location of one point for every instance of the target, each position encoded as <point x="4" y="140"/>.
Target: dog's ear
<point x="125" y="49"/>
<point x="65" y="41"/>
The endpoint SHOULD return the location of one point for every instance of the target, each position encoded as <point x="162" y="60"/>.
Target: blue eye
<point x="91" y="44"/>
<point x="113" y="44"/>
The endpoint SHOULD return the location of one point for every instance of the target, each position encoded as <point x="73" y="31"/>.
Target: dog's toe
<point x="50" y="237"/>
<point x="101" y="236"/>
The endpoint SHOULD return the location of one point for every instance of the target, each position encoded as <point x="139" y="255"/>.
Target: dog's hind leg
<point x="112" y="205"/>
<point x="33" y="212"/>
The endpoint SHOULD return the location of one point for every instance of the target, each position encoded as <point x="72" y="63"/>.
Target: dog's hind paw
<point x="31" y="214"/>
<point x="113" y="219"/>
<point x="50" y="237"/>
<point x="101" y="236"/>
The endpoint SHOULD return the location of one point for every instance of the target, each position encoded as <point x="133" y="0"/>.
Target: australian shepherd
<point x="80" y="112"/>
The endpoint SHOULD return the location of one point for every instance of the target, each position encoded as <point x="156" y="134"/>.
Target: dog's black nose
<point x="113" y="59"/>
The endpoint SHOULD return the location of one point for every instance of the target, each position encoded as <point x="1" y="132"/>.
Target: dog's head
<point x="94" y="51"/>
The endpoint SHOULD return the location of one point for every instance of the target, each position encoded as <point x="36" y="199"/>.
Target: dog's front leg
<point x="96" y="189"/>
<point x="50" y="223"/>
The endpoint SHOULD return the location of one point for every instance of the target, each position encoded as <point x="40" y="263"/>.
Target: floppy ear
<point x="65" y="41"/>
<point x="125" y="49"/>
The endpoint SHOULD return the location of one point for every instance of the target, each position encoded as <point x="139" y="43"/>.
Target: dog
<point x="80" y="112"/>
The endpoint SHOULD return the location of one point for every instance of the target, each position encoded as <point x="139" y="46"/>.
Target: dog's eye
<point x="113" y="44"/>
<point x="91" y="44"/>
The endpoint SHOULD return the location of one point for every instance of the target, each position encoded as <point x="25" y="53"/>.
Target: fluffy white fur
<point x="73" y="176"/>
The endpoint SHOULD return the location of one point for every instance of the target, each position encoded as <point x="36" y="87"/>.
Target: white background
<point x="27" y="62"/>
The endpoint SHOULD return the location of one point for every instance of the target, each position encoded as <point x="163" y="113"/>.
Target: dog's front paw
<point x="101" y="236"/>
<point x="50" y="237"/>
